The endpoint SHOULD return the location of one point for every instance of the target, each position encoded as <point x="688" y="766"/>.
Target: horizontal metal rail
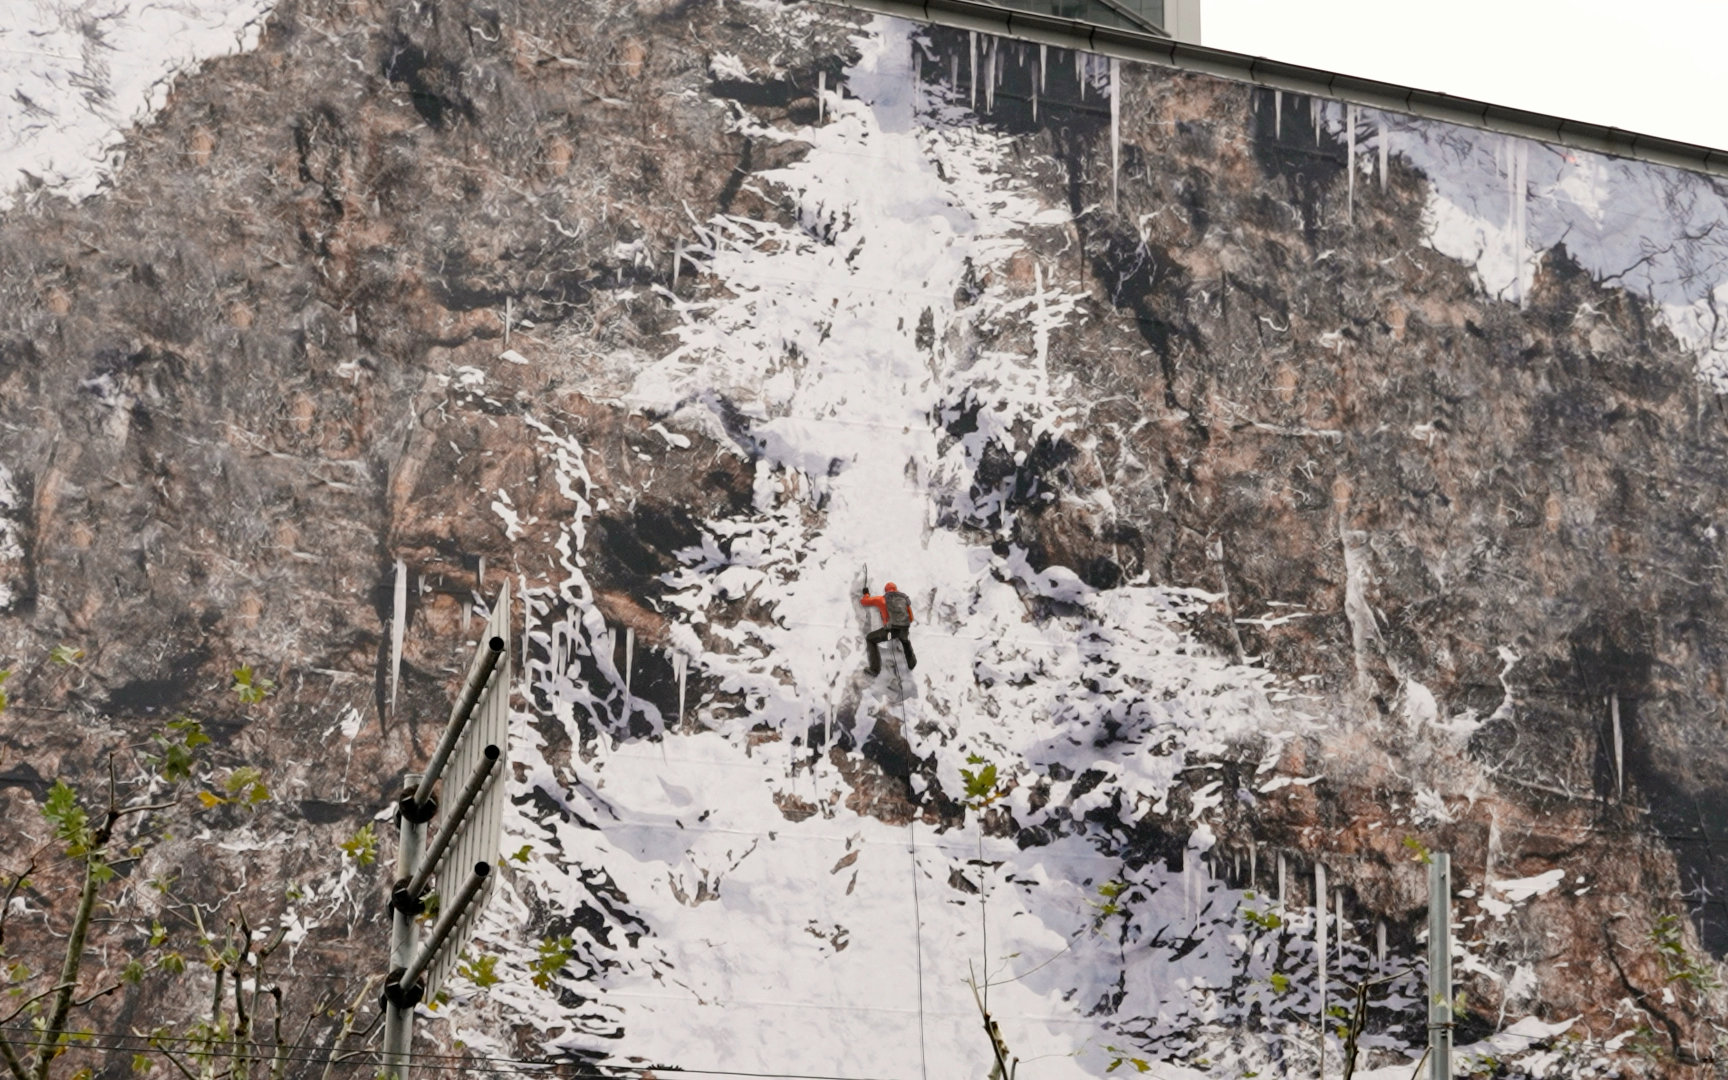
<point x="454" y="816"/>
<point x="447" y="920"/>
<point x="1274" y="74"/>
<point x="459" y="717"/>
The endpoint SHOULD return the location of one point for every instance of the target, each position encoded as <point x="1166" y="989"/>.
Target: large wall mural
<point x="1284" y="489"/>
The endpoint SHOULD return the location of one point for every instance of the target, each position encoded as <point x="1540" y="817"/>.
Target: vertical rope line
<point x="984" y="909"/>
<point x="918" y="939"/>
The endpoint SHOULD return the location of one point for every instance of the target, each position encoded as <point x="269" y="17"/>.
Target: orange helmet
<point x="890" y="587"/>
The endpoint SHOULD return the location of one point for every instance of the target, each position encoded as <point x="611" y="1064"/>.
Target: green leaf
<point x="141" y="1063"/>
<point x="133" y="972"/>
<point x="482" y="973"/>
<point x="1280" y="982"/>
<point x="190" y="730"/>
<point x="71" y="823"/>
<point x="66" y="655"/>
<point x="250" y="687"/>
<point x="362" y="847"/>
<point x="158" y="934"/>
<point x="1419" y="851"/>
<point x="981" y="787"/>
<point x="246" y="784"/>
<point x="553" y="954"/>
<point x="172" y="962"/>
<point x="523" y="853"/>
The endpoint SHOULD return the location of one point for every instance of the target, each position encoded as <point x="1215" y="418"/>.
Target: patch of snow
<point x="1502" y="205"/>
<point x="78" y="73"/>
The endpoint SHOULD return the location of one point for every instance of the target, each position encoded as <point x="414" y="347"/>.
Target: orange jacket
<point x="880" y="603"/>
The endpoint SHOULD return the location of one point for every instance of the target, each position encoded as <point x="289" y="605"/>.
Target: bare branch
<point x="174" y="1061"/>
<point x="12" y="890"/>
<point x="347" y="1027"/>
<point x="104" y="992"/>
<point x="7" y="1019"/>
<point x="12" y="1060"/>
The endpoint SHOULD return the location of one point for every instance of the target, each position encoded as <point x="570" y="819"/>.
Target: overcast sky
<point x="1654" y="66"/>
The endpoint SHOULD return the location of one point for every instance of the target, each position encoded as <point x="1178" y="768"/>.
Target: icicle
<point x="1253" y="857"/>
<point x="1277" y="114"/>
<point x="1041" y="325"/>
<point x="1314" y="112"/>
<point x="1043" y="60"/>
<point x="629" y="658"/>
<point x="1350" y="163"/>
<point x="1115" y="129"/>
<point x="1619" y="748"/>
<point x="1320" y="942"/>
<point x="954" y="73"/>
<point x="972" y="64"/>
<point x="1380" y="942"/>
<point x="1034" y="103"/>
<point x="989" y="78"/>
<point x="480" y="577"/>
<point x="680" y="669"/>
<point x="1281" y="871"/>
<point x="1493" y="847"/>
<point x="398" y="617"/>
<point x="1080" y="72"/>
<point x="508" y="315"/>
<point x="1338" y="908"/>
<point x="821" y="96"/>
<point x="1385" y="150"/>
<point x="677" y="257"/>
<point x="1521" y="219"/>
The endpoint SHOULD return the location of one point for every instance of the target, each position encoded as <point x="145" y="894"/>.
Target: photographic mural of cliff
<point x="1284" y="490"/>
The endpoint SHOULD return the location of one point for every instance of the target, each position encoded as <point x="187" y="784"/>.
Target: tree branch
<point x="7" y="1019"/>
<point x="174" y="1061"/>
<point x="104" y="992"/>
<point x="12" y="890"/>
<point x="12" y="1061"/>
<point x="55" y="1029"/>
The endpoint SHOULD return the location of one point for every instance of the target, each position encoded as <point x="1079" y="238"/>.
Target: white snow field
<point x="735" y="939"/>
<point x="76" y="74"/>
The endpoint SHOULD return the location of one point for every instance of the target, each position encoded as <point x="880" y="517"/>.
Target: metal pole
<point x="1440" y="967"/>
<point x="471" y="691"/>
<point x="449" y="915"/>
<point x="454" y="815"/>
<point x="399" y="1020"/>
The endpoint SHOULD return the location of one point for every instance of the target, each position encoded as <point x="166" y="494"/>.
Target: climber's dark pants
<point x="881" y="634"/>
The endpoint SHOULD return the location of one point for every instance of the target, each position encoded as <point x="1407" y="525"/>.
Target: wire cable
<point x="442" y="1062"/>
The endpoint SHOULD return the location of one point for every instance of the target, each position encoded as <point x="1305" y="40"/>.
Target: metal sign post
<point x="456" y="866"/>
<point x="1440" y="967"/>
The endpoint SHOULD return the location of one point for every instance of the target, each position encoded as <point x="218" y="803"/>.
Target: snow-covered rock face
<point x="1277" y="500"/>
<point x="78" y="73"/>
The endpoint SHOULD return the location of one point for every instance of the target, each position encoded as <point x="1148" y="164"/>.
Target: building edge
<point x="1279" y="75"/>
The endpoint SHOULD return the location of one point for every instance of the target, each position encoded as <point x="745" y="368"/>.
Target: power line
<point x="446" y="1062"/>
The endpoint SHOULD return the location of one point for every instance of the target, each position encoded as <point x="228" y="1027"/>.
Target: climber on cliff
<point x="895" y="607"/>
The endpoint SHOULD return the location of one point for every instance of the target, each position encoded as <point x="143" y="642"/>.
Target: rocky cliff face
<point x="1284" y="489"/>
